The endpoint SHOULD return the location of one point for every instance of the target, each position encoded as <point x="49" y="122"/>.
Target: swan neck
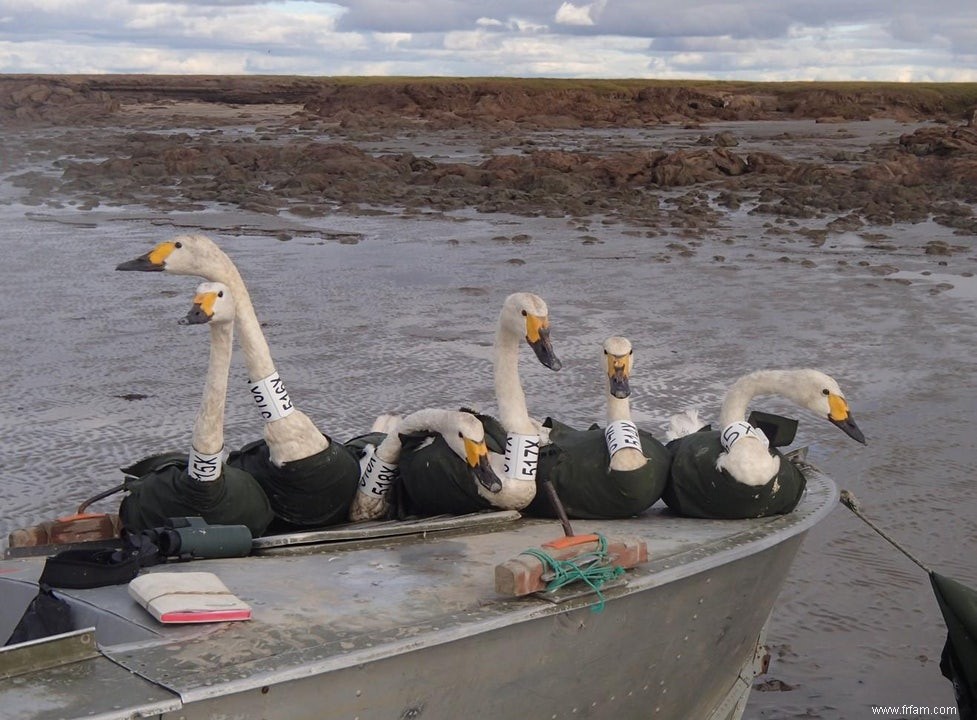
<point x="513" y="413"/>
<point x="257" y="354"/>
<point x="742" y="392"/>
<point x="422" y="420"/>
<point x="208" y="428"/>
<point x="618" y="409"/>
<point x="389" y="448"/>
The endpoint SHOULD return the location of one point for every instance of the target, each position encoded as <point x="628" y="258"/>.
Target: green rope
<point x="593" y="568"/>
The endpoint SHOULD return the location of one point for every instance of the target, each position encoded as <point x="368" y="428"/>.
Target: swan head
<point x="821" y="394"/>
<point x="526" y="315"/>
<point x="467" y="441"/>
<point x="182" y="255"/>
<point x="619" y="359"/>
<point x="212" y="304"/>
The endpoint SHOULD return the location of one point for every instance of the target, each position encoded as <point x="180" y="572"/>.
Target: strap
<point x="86" y="568"/>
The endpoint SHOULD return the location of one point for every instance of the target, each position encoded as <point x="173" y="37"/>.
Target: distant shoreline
<point x="535" y="101"/>
<point x="877" y="153"/>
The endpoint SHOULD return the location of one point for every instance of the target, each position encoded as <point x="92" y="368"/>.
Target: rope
<point x="593" y="568"/>
<point x="851" y="502"/>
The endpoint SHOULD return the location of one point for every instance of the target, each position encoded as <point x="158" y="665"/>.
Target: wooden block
<point x="33" y="536"/>
<point x="67" y="530"/>
<point x="84" y="528"/>
<point x="523" y="574"/>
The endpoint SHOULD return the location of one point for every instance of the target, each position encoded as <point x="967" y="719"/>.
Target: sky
<point x="762" y="40"/>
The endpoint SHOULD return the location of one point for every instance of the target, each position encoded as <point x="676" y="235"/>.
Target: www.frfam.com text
<point x="914" y="710"/>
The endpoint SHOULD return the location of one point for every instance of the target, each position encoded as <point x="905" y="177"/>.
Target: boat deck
<point x="345" y="602"/>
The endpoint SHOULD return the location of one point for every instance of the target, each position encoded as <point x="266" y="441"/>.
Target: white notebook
<point x="188" y="597"/>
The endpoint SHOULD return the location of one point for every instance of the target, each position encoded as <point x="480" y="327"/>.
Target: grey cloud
<point x="415" y="17"/>
<point x="761" y="19"/>
<point x="958" y="31"/>
<point x="508" y="37"/>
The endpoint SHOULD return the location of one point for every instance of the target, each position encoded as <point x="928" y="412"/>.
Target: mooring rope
<point x="851" y="502"/>
<point x="593" y="568"/>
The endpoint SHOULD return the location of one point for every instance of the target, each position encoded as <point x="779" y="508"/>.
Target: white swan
<point x="617" y="471"/>
<point x="707" y="462"/>
<point x="305" y="484"/>
<point x="203" y="485"/>
<point x="291" y="437"/>
<point x="523" y="316"/>
<point x="436" y="482"/>
<point x="627" y="454"/>
<point x="380" y="470"/>
<point x="213" y="304"/>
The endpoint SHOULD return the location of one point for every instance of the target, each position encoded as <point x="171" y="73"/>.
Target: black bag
<point x="46" y="615"/>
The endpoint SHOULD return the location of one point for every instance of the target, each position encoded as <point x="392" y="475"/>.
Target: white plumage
<point x="619" y="361"/>
<point x="289" y="438"/>
<point x="748" y="459"/>
<point x="462" y="432"/>
<point x="524" y="316"/>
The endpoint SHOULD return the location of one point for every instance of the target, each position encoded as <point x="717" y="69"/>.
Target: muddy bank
<point x="315" y="147"/>
<point x="453" y="102"/>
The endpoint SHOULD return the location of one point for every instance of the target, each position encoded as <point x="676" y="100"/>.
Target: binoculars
<point x="181" y="538"/>
<point x="190" y="538"/>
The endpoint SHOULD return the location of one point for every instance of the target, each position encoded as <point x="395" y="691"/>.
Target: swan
<point x="625" y="451"/>
<point x="523" y="316"/>
<point x="308" y="479"/>
<point x="732" y="472"/>
<point x="380" y="455"/>
<point x="436" y="482"/>
<point x="199" y="484"/>
<point x="613" y="472"/>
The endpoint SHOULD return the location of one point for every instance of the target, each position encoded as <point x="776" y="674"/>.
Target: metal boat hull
<point x="673" y="651"/>
<point x="410" y="627"/>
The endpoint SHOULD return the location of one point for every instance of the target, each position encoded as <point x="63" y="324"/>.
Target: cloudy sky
<point x="899" y="40"/>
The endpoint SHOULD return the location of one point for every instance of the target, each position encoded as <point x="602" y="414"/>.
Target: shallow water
<point x="391" y="312"/>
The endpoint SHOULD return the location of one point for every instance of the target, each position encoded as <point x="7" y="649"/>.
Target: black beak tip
<point x="195" y="316"/>
<point x="619" y="386"/>
<point x="850" y="429"/>
<point x="139" y="264"/>
<point x="491" y="484"/>
<point x="544" y="351"/>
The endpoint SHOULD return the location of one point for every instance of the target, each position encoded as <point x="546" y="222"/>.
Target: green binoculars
<point x="191" y="537"/>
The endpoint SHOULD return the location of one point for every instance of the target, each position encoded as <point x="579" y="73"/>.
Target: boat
<point x="404" y="619"/>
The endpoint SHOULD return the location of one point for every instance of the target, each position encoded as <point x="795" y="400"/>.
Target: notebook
<point x="187" y="597"/>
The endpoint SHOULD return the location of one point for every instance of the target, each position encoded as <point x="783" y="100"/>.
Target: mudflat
<point x="869" y="154"/>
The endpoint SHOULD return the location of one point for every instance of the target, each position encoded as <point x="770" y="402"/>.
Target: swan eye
<point x="461" y="434"/>
<point x="826" y="392"/>
<point x="178" y="245"/>
<point x="524" y="313"/>
<point x="220" y="293"/>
